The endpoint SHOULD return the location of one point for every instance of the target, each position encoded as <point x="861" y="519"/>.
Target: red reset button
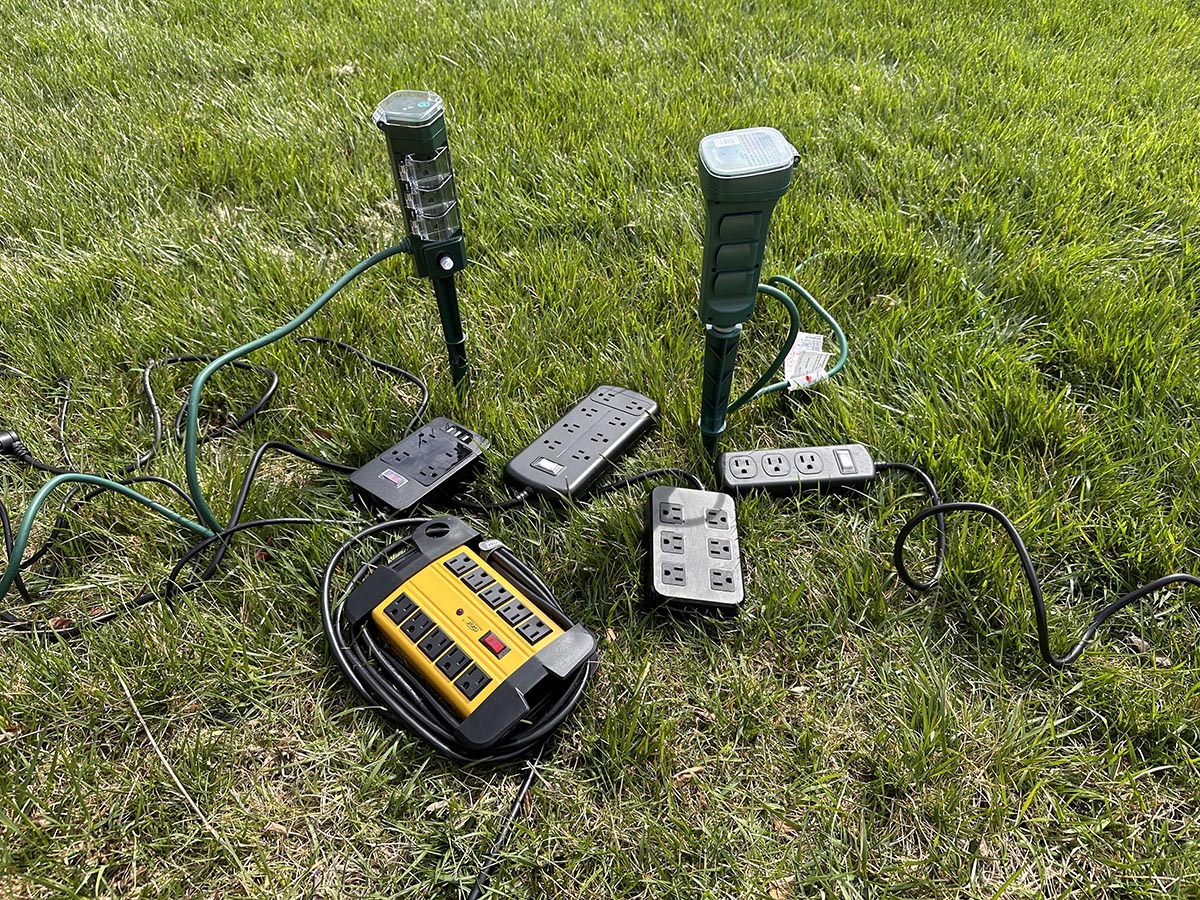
<point x="494" y="644"/>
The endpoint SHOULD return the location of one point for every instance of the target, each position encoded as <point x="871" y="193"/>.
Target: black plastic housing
<point x="571" y="454"/>
<point x="439" y="454"/>
<point x="693" y="559"/>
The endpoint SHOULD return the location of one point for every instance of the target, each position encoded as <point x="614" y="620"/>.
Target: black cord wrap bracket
<point x="545" y="689"/>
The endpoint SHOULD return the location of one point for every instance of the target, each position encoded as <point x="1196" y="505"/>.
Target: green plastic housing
<point x="742" y="175"/>
<point x="414" y="123"/>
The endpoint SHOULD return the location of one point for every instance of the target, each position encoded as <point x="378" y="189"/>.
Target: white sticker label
<point x="806" y="361"/>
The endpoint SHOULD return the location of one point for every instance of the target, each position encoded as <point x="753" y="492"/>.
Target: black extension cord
<point x="1031" y="578"/>
<point x="839" y="466"/>
<point x="13" y="447"/>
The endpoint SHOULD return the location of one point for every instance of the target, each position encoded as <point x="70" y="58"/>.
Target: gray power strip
<point x="693" y="560"/>
<point x="791" y="469"/>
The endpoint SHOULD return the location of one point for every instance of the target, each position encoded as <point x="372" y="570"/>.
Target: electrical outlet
<point x="434" y="644"/>
<point x="670" y="513"/>
<point x="788" y="470"/>
<point x="716" y="518"/>
<point x="692" y="555"/>
<point x="718" y="548"/>
<point x="533" y="629"/>
<point x="674" y="574"/>
<point x="472" y="681"/>
<point x="496" y="595"/>
<point x="775" y="465"/>
<point x="625" y="401"/>
<point x="572" y="453"/>
<point x="808" y="462"/>
<point x="431" y="459"/>
<point x="514" y="612"/>
<point x="721" y="580"/>
<point x="742" y="466"/>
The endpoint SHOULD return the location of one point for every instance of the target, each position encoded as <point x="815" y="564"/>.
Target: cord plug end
<point x="11" y="445"/>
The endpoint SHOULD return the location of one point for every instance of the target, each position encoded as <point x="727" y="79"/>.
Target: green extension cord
<point x="22" y="539"/>
<point x="193" y="404"/>
<point x="210" y="524"/>
<point x="760" y="386"/>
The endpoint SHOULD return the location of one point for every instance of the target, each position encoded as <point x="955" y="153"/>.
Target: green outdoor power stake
<point x="742" y="174"/>
<point x="414" y="123"/>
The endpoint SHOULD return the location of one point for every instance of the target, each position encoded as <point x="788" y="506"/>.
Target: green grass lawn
<point x="1000" y="203"/>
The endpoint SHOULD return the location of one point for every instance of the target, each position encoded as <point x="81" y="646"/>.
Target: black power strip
<point x="431" y="459"/>
<point x="693" y="560"/>
<point x="568" y="457"/>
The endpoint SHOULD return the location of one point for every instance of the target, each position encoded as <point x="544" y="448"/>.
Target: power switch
<point x="494" y="644"/>
<point x="549" y="466"/>
<point x="845" y="461"/>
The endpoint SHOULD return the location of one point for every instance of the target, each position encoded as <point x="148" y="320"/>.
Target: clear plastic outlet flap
<point x="431" y="196"/>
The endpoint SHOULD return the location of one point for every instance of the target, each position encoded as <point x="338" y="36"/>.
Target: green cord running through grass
<point x="13" y="567"/>
<point x="210" y="525"/>
<point x="191" y="439"/>
<point x="771" y="289"/>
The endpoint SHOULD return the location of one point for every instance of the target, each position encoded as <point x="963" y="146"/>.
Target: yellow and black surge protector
<point x="462" y="618"/>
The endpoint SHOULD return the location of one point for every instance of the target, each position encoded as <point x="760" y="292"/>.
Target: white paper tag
<point x="806" y="361"/>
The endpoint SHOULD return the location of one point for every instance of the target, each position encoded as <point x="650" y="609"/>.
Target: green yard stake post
<point x="742" y="174"/>
<point x="414" y="123"/>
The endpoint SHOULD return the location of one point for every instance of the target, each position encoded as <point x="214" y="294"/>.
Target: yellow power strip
<point x="467" y="625"/>
<point x="464" y="627"/>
